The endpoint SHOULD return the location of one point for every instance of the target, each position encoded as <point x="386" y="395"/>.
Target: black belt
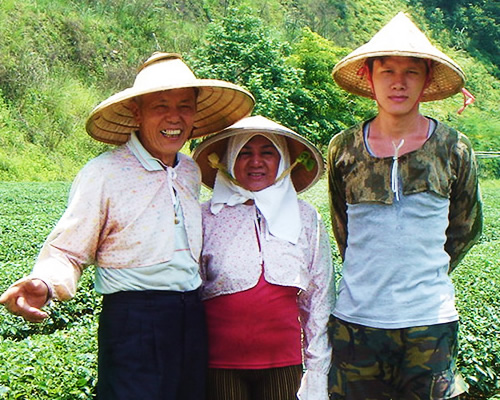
<point x="141" y="296"/>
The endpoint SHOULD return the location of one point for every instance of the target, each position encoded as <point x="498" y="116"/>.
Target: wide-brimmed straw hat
<point x="302" y="178"/>
<point x="400" y="37"/>
<point x="219" y="103"/>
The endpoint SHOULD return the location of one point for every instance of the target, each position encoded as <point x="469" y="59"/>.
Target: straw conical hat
<point x="219" y="103"/>
<point x="302" y="178"/>
<point x="400" y="37"/>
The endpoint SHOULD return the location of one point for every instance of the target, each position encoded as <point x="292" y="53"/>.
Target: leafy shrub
<point x="57" y="359"/>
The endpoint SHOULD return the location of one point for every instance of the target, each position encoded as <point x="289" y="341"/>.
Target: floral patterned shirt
<point x="121" y="215"/>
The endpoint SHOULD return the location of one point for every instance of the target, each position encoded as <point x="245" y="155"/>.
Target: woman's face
<point x="257" y="164"/>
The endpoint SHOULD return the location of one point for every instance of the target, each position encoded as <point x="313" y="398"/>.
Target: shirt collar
<point x="149" y="162"/>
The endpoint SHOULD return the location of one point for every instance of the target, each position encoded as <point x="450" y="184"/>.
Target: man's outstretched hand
<point x="26" y="299"/>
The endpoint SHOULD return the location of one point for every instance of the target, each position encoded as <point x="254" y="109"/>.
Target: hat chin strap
<point x="468" y="100"/>
<point x="305" y="158"/>
<point x="365" y="71"/>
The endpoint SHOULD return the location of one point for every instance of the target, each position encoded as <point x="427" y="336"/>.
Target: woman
<point x="266" y="265"/>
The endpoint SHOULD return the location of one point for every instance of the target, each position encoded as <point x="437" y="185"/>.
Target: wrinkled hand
<point x="26" y="299"/>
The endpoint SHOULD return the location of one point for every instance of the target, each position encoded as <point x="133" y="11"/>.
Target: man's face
<point x="165" y="121"/>
<point x="398" y="83"/>
<point x="257" y="163"/>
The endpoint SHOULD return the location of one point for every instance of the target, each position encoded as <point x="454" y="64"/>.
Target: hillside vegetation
<point x="60" y="58"/>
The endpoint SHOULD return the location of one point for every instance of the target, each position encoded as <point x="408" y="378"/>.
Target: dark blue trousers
<point x="152" y="345"/>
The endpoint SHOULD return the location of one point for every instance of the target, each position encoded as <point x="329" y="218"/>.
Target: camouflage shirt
<point x="445" y="165"/>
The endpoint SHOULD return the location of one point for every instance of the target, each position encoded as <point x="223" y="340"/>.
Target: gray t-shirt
<point x="395" y="271"/>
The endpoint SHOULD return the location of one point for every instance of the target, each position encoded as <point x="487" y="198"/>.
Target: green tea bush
<point x="476" y="281"/>
<point x="61" y="365"/>
<point x="57" y="359"/>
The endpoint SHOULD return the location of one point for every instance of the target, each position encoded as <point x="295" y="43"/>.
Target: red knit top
<point x="254" y="329"/>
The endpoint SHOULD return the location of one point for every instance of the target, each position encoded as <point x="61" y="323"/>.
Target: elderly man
<point x="134" y="214"/>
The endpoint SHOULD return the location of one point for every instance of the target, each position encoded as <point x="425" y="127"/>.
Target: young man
<point x="134" y="214"/>
<point x="405" y="208"/>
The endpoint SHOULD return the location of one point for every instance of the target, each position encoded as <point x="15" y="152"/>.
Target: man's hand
<point x="26" y="299"/>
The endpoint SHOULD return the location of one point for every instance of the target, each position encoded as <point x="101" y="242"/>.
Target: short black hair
<point x="370" y="60"/>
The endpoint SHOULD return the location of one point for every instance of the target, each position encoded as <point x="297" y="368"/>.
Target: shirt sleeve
<point x="315" y="306"/>
<point x="338" y="203"/>
<point x="72" y="244"/>
<point x="465" y="214"/>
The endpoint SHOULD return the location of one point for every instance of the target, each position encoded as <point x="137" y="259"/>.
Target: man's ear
<point x="134" y="108"/>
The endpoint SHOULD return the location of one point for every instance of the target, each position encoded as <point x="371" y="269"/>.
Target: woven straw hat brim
<point x="400" y="38"/>
<point x="301" y="178"/>
<point x="219" y="105"/>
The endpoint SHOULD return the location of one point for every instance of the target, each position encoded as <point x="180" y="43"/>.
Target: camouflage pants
<point x="399" y="364"/>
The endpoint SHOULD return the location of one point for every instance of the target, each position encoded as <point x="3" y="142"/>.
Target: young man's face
<point x="165" y="121"/>
<point x="398" y="83"/>
<point x="257" y="163"/>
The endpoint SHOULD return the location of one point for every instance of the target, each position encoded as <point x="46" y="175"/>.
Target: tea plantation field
<point x="57" y="359"/>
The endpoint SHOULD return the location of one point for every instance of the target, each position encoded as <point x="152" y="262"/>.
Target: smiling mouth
<point x="171" y="133"/>
<point x="256" y="174"/>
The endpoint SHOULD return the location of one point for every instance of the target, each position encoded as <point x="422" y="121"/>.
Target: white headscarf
<point x="278" y="203"/>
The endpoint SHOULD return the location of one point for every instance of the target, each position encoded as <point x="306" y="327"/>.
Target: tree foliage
<point x="325" y="108"/>
<point x="470" y="26"/>
<point x="292" y="84"/>
<point x="240" y="48"/>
